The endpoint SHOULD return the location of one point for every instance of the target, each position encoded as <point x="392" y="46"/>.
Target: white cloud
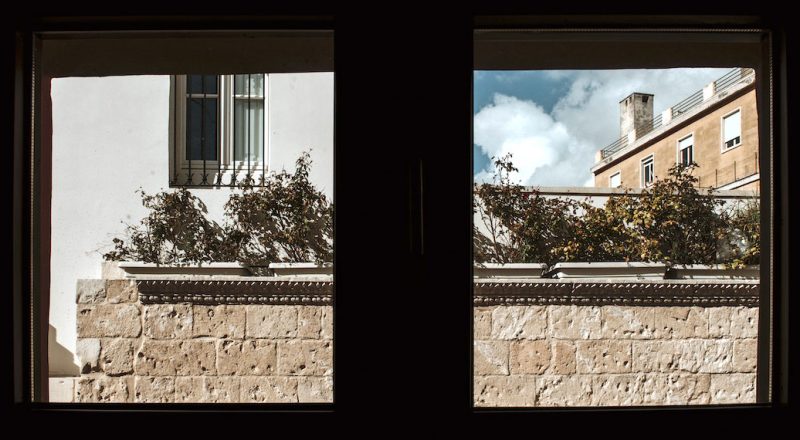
<point x="557" y="149"/>
<point x="537" y="142"/>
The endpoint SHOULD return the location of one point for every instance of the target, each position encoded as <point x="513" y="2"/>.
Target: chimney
<point x="636" y="114"/>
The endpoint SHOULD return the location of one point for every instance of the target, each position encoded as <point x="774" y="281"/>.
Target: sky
<point x="554" y="121"/>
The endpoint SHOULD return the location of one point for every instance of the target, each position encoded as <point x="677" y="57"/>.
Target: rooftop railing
<point x="725" y="82"/>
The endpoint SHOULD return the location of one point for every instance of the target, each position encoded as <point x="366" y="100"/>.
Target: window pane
<point x="248" y="129"/>
<point x="249" y="85"/>
<point x="582" y="300"/>
<point x="683" y="143"/>
<point x="733" y="126"/>
<point x="201" y="122"/>
<point x="196" y="83"/>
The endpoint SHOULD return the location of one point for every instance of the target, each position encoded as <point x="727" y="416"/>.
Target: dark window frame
<point x="417" y="166"/>
<point x="529" y="43"/>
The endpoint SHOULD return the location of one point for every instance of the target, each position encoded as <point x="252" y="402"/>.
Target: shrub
<point x="175" y="231"/>
<point x="672" y="222"/>
<point x="287" y="219"/>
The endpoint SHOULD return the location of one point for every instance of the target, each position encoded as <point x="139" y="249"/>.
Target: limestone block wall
<point x="555" y="343"/>
<point x="190" y="340"/>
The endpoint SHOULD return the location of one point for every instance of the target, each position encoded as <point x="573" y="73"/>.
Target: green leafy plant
<point x="285" y="220"/>
<point x="742" y="243"/>
<point x="175" y="231"/>
<point x="672" y="221"/>
<point x="523" y="226"/>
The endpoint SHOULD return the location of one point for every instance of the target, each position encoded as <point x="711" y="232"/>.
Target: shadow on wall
<point x="61" y="360"/>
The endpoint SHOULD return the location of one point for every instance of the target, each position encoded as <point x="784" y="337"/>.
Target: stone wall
<point x="195" y="340"/>
<point x="615" y="344"/>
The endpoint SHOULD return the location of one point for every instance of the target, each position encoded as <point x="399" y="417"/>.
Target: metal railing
<point x="725" y="82"/>
<point x="738" y="170"/>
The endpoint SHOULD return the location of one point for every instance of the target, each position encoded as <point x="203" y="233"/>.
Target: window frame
<point x="221" y="171"/>
<point x="724" y="149"/>
<point x="652" y="159"/>
<point x="28" y="182"/>
<point x="611" y="179"/>
<point x="679" y="158"/>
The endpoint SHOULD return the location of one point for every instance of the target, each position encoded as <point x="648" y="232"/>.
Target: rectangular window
<point x="686" y="150"/>
<point x="615" y="180"/>
<point x="248" y="117"/>
<point x="647" y="170"/>
<point x="201" y="117"/>
<point x="220" y="129"/>
<point x="732" y="130"/>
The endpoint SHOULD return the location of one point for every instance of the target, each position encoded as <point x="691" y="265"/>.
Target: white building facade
<point x="114" y="135"/>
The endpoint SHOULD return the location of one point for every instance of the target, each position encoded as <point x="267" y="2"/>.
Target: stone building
<point x="716" y="128"/>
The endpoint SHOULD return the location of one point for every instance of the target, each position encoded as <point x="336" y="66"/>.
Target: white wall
<point x="110" y="137"/>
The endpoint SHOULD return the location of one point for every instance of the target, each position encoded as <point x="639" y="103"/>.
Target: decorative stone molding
<point x="635" y="293"/>
<point x="213" y="291"/>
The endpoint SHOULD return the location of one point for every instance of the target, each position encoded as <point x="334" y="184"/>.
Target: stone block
<point x="617" y="389"/>
<point x="88" y="352"/>
<point x="315" y="389"/>
<point x="224" y="321"/>
<point x="530" y="357"/>
<point x="563" y="390"/>
<point x="116" y="356"/>
<point x="603" y="356"/>
<point x="168" y="321"/>
<point x="719" y="322"/>
<point x="207" y="389"/>
<point x="627" y="322"/>
<point x="110" y="270"/>
<point x="499" y="391"/>
<point x="109" y="320"/>
<point x="154" y="389"/>
<point x="575" y="322"/>
<point x="61" y="389"/>
<point x="564" y="357"/>
<point x="271" y="389"/>
<point x="176" y="358"/>
<point x="745" y="355"/>
<point x="91" y="291"/>
<point x="121" y="291"/>
<point x="744" y="322"/>
<point x="717" y="356"/>
<point x="252" y="357"/>
<point x="103" y="389"/>
<point x="680" y="322"/>
<point x="733" y="388"/>
<point x="691" y="354"/>
<point x="309" y="322"/>
<point x="676" y="389"/>
<point x="327" y="322"/>
<point x="482" y="322"/>
<point x="305" y="358"/>
<point x="277" y="322"/>
<point x="519" y="322"/>
<point x="655" y="356"/>
<point x="491" y="357"/>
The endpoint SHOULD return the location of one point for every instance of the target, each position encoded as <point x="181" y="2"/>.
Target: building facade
<point x="115" y="135"/>
<point x="716" y="128"/>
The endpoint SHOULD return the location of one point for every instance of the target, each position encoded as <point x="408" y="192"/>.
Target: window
<point x="615" y="180"/>
<point x="731" y="130"/>
<point x="647" y="170"/>
<point x="686" y="150"/>
<point x="220" y="132"/>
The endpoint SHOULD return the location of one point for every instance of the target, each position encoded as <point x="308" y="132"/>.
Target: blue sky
<point x="554" y="121"/>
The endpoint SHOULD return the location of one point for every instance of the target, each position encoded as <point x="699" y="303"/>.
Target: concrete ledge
<point x="235" y="290"/>
<point x="604" y="291"/>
